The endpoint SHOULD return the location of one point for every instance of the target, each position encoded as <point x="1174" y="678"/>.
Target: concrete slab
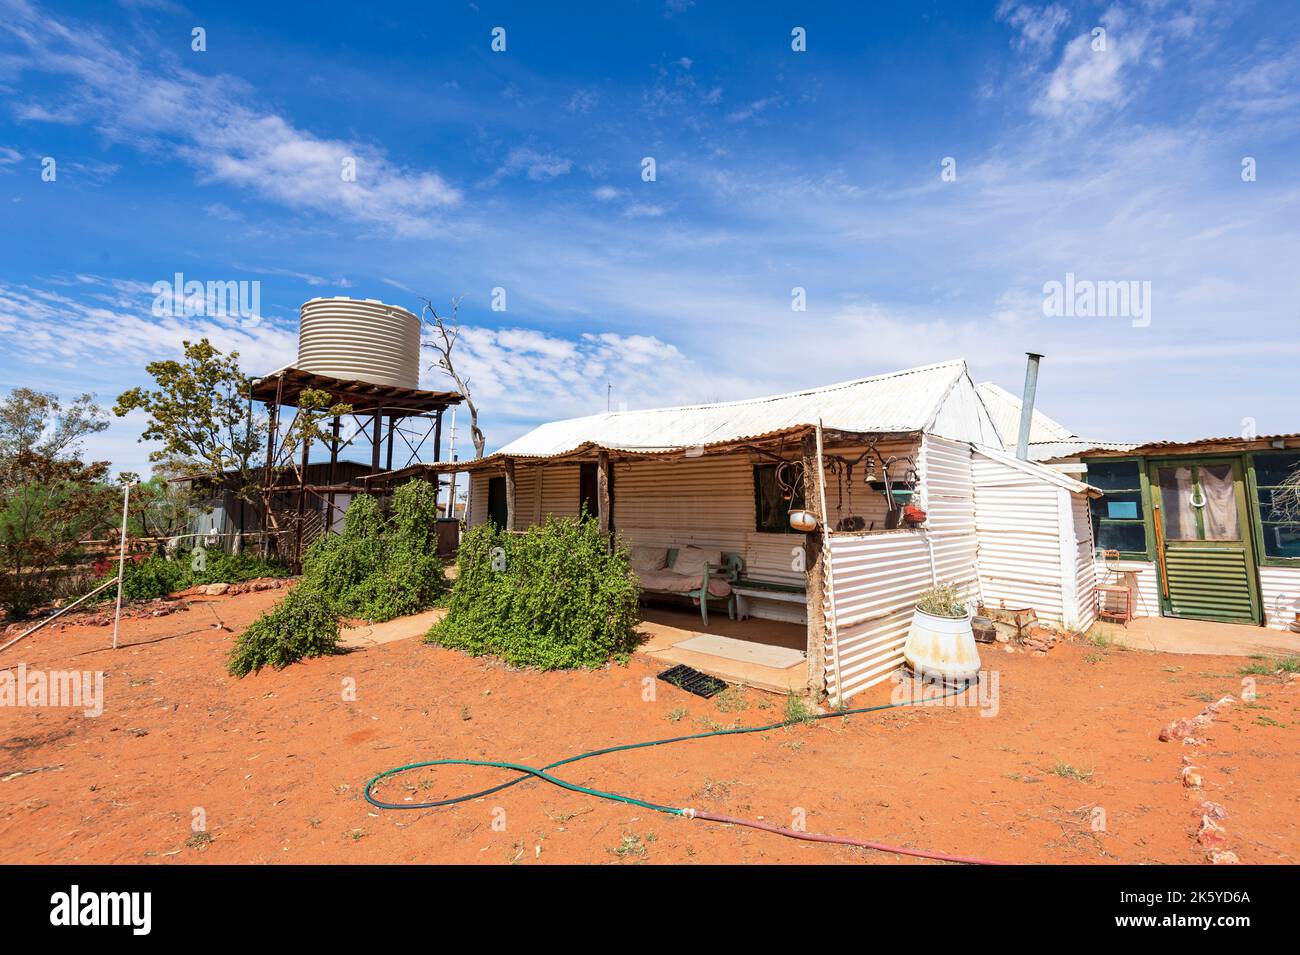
<point x="1173" y="635"/>
<point x="403" y="628"/>
<point x="666" y="630"/>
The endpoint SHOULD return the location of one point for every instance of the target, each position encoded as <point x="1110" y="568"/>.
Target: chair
<point x="1116" y="587"/>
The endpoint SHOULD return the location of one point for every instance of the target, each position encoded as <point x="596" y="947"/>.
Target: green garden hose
<point x="527" y="772"/>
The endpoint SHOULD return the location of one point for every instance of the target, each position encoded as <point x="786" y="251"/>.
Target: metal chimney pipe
<point x="1027" y="405"/>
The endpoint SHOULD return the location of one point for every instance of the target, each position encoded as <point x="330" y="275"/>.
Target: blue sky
<point x="775" y="169"/>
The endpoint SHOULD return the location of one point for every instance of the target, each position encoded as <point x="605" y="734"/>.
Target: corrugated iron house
<point x="724" y="476"/>
<point x="1192" y="523"/>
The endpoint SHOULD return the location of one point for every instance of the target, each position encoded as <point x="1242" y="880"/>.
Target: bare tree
<point x="445" y="334"/>
<point x="1286" y="498"/>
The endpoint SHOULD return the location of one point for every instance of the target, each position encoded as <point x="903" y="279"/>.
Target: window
<point x="776" y="495"/>
<point x="1118" y="519"/>
<point x="1281" y="529"/>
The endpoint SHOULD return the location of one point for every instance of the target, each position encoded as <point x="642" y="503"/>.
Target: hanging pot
<point x="913" y="514"/>
<point x="803" y="521"/>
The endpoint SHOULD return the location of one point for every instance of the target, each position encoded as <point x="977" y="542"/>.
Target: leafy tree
<point x="49" y="499"/>
<point x="37" y="422"/>
<point x="47" y="507"/>
<point x="200" y="413"/>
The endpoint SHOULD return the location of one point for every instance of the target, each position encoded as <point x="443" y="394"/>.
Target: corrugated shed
<point x="941" y="398"/>
<point x="1280" y="587"/>
<point x="1035" y="539"/>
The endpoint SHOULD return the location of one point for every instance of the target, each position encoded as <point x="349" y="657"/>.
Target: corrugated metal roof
<point x="899" y="402"/>
<point x="1040" y="471"/>
<point x="1080" y="447"/>
<point x="1052" y="450"/>
<point x="1004" y="408"/>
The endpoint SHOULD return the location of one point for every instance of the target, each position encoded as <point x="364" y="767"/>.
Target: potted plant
<point x="940" y="642"/>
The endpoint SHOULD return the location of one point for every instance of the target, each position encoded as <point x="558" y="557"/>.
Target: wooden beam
<point x="603" y="503"/>
<point x="302" y="503"/>
<point x="813" y="559"/>
<point x="510" y="493"/>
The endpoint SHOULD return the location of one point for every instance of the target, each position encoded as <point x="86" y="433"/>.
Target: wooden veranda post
<point x="602" y="492"/>
<point x="510" y="494"/>
<point x="813" y="568"/>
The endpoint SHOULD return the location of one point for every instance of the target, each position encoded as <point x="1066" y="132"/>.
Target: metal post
<point x="376" y="440"/>
<point x="451" y="454"/>
<point x="121" y="560"/>
<point x="1027" y="405"/>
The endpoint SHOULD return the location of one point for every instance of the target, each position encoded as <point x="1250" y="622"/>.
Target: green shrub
<point x="378" y="568"/>
<point x="944" y="600"/>
<point x="553" y="597"/>
<point x="156" y="577"/>
<point x="223" y="568"/>
<point x="304" y="624"/>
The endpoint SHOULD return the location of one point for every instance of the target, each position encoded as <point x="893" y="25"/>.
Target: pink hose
<point x="838" y="840"/>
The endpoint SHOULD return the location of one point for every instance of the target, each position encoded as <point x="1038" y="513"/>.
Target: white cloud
<point x="606" y="193"/>
<point x="1038" y="26"/>
<point x="214" y="123"/>
<point x="535" y="164"/>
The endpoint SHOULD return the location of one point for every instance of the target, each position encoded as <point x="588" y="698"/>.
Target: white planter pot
<point x="942" y="647"/>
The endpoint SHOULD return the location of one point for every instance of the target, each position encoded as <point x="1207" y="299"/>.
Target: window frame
<point x="1144" y="502"/>
<point x="758" y="501"/>
<point x="1253" y="486"/>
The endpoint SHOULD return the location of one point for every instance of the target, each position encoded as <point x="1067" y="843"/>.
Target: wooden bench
<point x="729" y="570"/>
<point x="745" y="588"/>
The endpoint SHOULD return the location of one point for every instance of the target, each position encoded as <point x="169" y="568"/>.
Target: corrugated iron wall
<point x="1084" y="572"/>
<point x="1018" y="522"/>
<point x="875" y="579"/>
<point x="1281" y="590"/>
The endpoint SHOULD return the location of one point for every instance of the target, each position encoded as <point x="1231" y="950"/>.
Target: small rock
<point x="1214" y="810"/>
<point x="1178" y="729"/>
<point x="1191" y="778"/>
<point x="1223" y="857"/>
<point x="1211" y="834"/>
<point x="216" y="590"/>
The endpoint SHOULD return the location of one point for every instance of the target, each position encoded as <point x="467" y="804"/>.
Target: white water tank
<point x="362" y="339"/>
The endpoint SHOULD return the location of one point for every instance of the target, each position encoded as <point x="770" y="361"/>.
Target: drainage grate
<point x="693" y="681"/>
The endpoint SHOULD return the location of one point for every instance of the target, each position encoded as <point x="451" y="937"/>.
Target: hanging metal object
<point x="803" y="521"/>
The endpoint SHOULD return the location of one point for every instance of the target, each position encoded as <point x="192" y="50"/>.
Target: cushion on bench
<point x="670" y="582"/>
<point x="648" y="558"/>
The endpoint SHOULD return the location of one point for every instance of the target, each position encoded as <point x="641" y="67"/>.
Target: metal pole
<point x="1027" y="405"/>
<point x="451" y="454"/>
<point x="121" y="561"/>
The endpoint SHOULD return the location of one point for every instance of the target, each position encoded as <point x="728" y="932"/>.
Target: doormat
<point x="693" y="681"/>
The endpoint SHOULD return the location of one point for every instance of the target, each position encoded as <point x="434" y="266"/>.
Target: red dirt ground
<point x="276" y="762"/>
